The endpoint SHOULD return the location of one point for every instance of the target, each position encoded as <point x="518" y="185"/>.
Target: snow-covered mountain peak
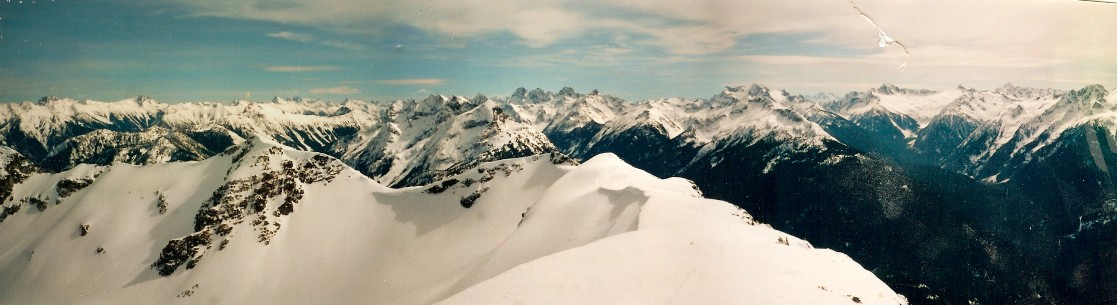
<point x="738" y="112"/>
<point x="745" y="91"/>
<point x="752" y="111"/>
<point x="753" y="90"/>
<point x="534" y="96"/>
<point x="1010" y="89"/>
<point x="144" y="101"/>
<point x="1073" y="108"/>
<point x="407" y="140"/>
<point x="577" y="111"/>
<point x="518" y="95"/>
<point x="890" y="89"/>
<point x="437" y="105"/>
<point x="1026" y="93"/>
<point x="921" y="105"/>
<point x="821" y="98"/>
<point x="538" y="95"/>
<point x="1088" y="101"/>
<point x="47" y="99"/>
<point x="887" y="89"/>
<point x="415" y="142"/>
<point x="568" y="92"/>
<point x="1089" y="94"/>
<point x="258" y="155"/>
<point x="754" y="93"/>
<point x="478" y="99"/>
<point x="737" y="95"/>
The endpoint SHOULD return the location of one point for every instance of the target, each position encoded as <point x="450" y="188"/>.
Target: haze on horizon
<point x="184" y="50"/>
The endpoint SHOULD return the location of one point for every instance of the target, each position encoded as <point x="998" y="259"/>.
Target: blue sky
<point x="183" y="50"/>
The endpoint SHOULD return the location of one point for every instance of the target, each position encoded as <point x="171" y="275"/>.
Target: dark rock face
<point x="66" y="187"/>
<point x="263" y="200"/>
<point x="16" y="170"/>
<point x="186" y="250"/>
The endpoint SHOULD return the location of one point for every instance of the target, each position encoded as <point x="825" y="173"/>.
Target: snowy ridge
<point x="919" y="105"/>
<point x="757" y="112"/>
<point x="982" y="122"/>
<point x="980" y="133"/>
<point x="288" y="227"/>
<point x="743" y="113"/>
<point x="416" y="142"/>
<point x="1091" y="104"/>
<point x="401" y="143"/>
<point x="552" y="112"/>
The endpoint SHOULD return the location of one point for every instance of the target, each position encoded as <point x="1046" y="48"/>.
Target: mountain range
<point x="961" y="196"/>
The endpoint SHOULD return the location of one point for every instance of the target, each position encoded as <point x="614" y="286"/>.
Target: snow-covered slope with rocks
<point x="264" y="224"/>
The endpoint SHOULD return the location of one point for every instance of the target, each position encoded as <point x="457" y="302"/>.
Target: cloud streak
<point x="292" y="36"/>
<point x="299" y="69"/>
<point x="412" y="82"/>
<point x="339" y="90"/>
<point x="402" y="82"/>
<point x="307" y="38"/>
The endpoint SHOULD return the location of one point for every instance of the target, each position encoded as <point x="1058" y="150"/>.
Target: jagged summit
<point x="1094" y="93"/>
<point x="752" y="89"/>
<point x="48" y="99"/>
<point x="891" y="89"/>
<point x="888" y="89"/>
<point x="567" y="91"/>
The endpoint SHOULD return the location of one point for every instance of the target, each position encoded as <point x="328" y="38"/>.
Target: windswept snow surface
<point x="521" y="230"/>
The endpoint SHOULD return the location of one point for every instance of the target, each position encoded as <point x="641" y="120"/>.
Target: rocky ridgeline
<point x="262" y="199"/>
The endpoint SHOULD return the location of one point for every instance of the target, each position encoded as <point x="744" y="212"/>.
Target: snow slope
<point x="921" y="106"/>
<point x="265" y="224"/>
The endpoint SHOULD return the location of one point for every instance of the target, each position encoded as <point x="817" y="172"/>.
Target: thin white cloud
<point x="343" y="45"/>
<point x="292" y="36"/>
<point x="339" y="90"/>
<point x="400" y="82"/>
<point x="411" y="82"/>
<point x="307" y="38"/>
<point x="806" y="60"/>
<point x="295" y="69"/>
